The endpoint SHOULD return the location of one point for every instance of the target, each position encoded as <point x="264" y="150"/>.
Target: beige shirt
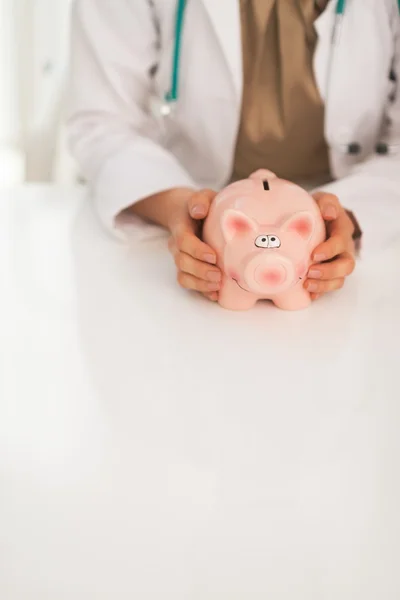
<point x="282" y="120"/>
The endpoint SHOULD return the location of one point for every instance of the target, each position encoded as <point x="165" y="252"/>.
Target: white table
<point x="154" y="446"/>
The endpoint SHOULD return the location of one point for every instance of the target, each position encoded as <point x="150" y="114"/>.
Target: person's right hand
<point x="195" y="260"/>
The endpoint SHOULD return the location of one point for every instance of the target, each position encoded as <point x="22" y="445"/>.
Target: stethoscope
<point x="171" y="97"/>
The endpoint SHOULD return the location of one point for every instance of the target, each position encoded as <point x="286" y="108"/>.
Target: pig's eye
<point x="262" y="241"/>
<point x="274" y="242"/>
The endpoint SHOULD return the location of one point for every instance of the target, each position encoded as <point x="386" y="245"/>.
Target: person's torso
<point x="282" y="115"/>
<point x="352" y="78"/>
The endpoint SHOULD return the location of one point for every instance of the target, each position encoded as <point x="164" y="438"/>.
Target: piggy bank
<point x="264" y="230"/>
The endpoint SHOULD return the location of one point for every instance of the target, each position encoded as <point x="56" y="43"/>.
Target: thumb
<point x="329" y="205"/>
<point x="200" y="202"/>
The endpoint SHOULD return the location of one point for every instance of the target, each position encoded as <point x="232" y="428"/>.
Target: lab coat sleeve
<point x="373" y="187"/>
<point x="112" y="133"/>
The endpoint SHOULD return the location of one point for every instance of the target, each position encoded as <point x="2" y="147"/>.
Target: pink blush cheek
<point x="301" y="270"/>
<point x="232" y="274"/>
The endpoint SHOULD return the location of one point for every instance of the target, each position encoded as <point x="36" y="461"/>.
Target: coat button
<point x="354" y="148"/>
<point x="382" y="148"/>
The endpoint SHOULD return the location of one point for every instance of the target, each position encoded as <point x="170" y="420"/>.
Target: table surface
<point x="155" y="446"/>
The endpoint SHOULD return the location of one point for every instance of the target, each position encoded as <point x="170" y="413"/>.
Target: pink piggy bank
<point x="264" y="230"/>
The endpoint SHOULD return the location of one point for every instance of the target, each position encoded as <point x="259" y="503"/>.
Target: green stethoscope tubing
<point x="341" y="6"/>
<point x="172" y="95"/>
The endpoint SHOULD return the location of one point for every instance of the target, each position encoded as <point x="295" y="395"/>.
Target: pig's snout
<point x="269" y="275"/>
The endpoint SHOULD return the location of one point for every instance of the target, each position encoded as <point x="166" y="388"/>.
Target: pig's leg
<point x="295" y="299"/>
<point x="232" y="297"/>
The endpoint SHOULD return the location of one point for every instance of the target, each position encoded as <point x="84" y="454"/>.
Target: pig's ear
<point x="235" y="223"/>
<point x="301" y="223"/>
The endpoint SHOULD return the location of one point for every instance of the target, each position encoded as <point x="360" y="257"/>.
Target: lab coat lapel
<point x="353" y="76"/>
<point x="225" y="18"/>
<point x="324" y="27"/>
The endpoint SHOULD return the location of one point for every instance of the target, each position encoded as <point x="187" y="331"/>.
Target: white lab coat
<point x="117" y="141"/>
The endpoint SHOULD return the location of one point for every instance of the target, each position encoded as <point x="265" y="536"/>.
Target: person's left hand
<point x="336" y="254"/>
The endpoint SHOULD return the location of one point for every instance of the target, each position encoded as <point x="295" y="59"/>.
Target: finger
<point x="190" y="282"/>
<point x="335" y="245"/>
<point x="329" y="205"/>
<point x="213" y="296"/>
<point x="186" y="241"/>
<point x="341" y="267"/>
<point x="315" y="296"/>
<point x="198" y="268"/>
<point x="343" y="225"/>
<point x="322" y="287"/>
<point x="352" y="247"/>
<point x="199" y="203"/>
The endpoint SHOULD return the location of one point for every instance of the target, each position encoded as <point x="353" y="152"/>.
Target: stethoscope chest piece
<point x="161" y="110"/>
<point x="165" y="109"/>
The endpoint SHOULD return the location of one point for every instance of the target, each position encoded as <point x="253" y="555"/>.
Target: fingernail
<point x="210" y="258"/>
<point x="330" y="212"/>
<point x="319" y="257"/>
<point x="213" y="287"/>
<point x="214" y="276"/>
<point x="314" y="274"/>
<point x="198" y="211"/>
<point x="312" y="287"/>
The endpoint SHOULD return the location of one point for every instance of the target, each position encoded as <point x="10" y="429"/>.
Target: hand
<point x="336" y="254"/>
<point x="194" y="259"/>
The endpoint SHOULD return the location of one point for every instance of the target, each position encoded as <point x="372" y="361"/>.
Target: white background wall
<point x="10" y="166"/>
<point x="33" y="64"/>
